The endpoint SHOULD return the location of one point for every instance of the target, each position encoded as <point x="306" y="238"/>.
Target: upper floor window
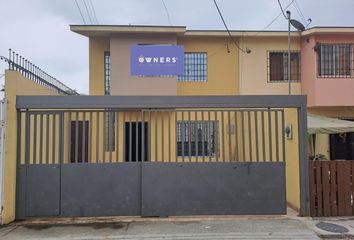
<point x="107" y="73"/>
<point x="335" y="60"/>
<point x="278" y="66"/>
<point x="195" y="67"/>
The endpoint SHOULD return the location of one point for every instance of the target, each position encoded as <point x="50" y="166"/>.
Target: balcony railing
<point x="31" y="71"/>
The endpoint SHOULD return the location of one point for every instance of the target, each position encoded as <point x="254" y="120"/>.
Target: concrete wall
<point x="15" y="84"/>
<point x="253" y="66"/>
<point x="97" y="47"/>
<point x="222" y="68"/>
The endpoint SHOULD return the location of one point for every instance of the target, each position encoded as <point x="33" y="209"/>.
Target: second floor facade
<point x="321" y="64"/>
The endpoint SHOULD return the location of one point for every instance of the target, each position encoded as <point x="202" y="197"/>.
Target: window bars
<point x="335" y="60"/>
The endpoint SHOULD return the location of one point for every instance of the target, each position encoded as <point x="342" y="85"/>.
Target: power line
<point x="88" y="12"/>
<point x="167" y="13"/>
<point x="271" y="22"/>
<point x="94" y="11"/>
<point x="297" y="7"/>
<point x="228" y="31"/>
<point x="82" y="16"/>
<point x="281" y="8"/>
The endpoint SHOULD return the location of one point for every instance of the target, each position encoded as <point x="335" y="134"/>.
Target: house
<point x="162" y="144"/>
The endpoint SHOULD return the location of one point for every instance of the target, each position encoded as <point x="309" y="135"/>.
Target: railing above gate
<point x="29" y="70"/>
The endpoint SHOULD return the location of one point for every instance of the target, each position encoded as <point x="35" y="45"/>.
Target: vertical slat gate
<point x="331" y="188"/>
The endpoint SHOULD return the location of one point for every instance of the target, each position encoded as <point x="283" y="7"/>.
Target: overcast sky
<point x="39" y="29"/>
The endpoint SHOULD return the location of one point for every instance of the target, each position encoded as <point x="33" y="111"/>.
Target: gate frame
<point x="164" y="102"/>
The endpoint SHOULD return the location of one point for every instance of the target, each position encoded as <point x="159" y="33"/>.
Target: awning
<point x="320" y="124"/>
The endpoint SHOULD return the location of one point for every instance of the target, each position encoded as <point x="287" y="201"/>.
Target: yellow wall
<point x="292" y="157"/>
<point x="15" y="84"/>
<point x="222" y="75"/>
<point x="253" y="66"/>
<point x="97" y="47"/>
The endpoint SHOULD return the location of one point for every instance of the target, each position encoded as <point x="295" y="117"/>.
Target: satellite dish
<point x="296" y="24"/>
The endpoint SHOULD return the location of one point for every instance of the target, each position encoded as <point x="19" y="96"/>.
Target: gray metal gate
<point x="151" y="156"/>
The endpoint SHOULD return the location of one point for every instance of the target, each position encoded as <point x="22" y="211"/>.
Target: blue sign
<point x="153" y="60"/>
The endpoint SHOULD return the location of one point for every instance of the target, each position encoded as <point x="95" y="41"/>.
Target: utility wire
<point x="297" y="6"/>
<point x="167" y="13"/>
<point x="82" y="16"/>
<point x="94" y="11"/>
<point x="88" y="12"/>
<point x="282" y="10"/>
<point x="271" y="22"/>
<point x="228" y="31"/>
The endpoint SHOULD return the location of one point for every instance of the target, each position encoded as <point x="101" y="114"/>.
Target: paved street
<point x="192" y="229"/>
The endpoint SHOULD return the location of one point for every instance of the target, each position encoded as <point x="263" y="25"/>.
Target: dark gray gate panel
<point x="21" y="192"/>
<point x="42" y="190"/>
<point x="213" y="188"/>
<point x="100" y="189"/>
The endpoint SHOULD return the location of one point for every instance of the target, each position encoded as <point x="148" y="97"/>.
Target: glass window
<point x="192" y="135"/>
<point x="278" y="66"/>
<point x="335" y="60"/>
<point x="107" y="72"/>
<point x="195" y="67"/>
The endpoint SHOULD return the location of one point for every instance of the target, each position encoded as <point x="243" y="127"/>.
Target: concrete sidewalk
<point x="227" y="228"/>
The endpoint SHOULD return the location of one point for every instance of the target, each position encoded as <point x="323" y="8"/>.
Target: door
<point x="135" y="140"/>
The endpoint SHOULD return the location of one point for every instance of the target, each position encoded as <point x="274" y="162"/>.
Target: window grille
<point x="335" y="60"/>
<point x="195" y="67"/>
<point x="196" y="133"/>
<point x="278" y="66"/>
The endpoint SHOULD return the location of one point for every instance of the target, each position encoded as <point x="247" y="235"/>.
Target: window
<point x="278" y="66"/>
<point x="109" y="128"/>
<point x="335" y="60"/>
<point x="195" y="67"/>
<point x="194" y="135"/>
<point x="107" y="73"/>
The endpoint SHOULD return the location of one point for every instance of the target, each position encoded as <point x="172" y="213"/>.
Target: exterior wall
<point x="222" y="69"/>
<point x="253" y="67"/>
<point x="292" y="160"/>
<point x="97" y="47"/>
<point x="324" y="91"/>
<point x="15" y="84"/>
<point x="122" y="83"/>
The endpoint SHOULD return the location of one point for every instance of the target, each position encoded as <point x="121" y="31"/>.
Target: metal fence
<point x="31" y="71"/>
<point x="172" y="135"/>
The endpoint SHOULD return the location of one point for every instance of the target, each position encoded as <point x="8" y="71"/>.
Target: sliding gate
<point x="160" y="157"/>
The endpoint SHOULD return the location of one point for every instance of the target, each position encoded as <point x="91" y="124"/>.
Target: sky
<point x="39" y="29"/>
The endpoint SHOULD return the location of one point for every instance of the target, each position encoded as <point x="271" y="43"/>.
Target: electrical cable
<point x="228" y="31"/>
<point x="94" y="11"/>
<point x="281" y="8"/>
<point x="167" y="13"/>
<point x="88" y="12"/>
<point x="83" y="19"/>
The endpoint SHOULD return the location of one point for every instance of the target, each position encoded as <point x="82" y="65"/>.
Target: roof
<point x="107" y="30"/>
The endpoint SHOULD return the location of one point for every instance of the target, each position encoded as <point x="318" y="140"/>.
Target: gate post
<point x="304" y="178"/>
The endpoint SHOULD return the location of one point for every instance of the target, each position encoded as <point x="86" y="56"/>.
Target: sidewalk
<point x="175" y="228"/>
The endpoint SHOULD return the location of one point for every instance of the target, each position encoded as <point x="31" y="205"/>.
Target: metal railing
<point x="31" y="71"/>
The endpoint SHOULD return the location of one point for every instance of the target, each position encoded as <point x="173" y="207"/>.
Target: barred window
<point x="278" y="66"/>
<point x="195" y="67"/>
<point x="194" y="134"/>
<point x="107" y="73"/>
<point x="109" y="137"/>
<point x="335" y="60"/>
